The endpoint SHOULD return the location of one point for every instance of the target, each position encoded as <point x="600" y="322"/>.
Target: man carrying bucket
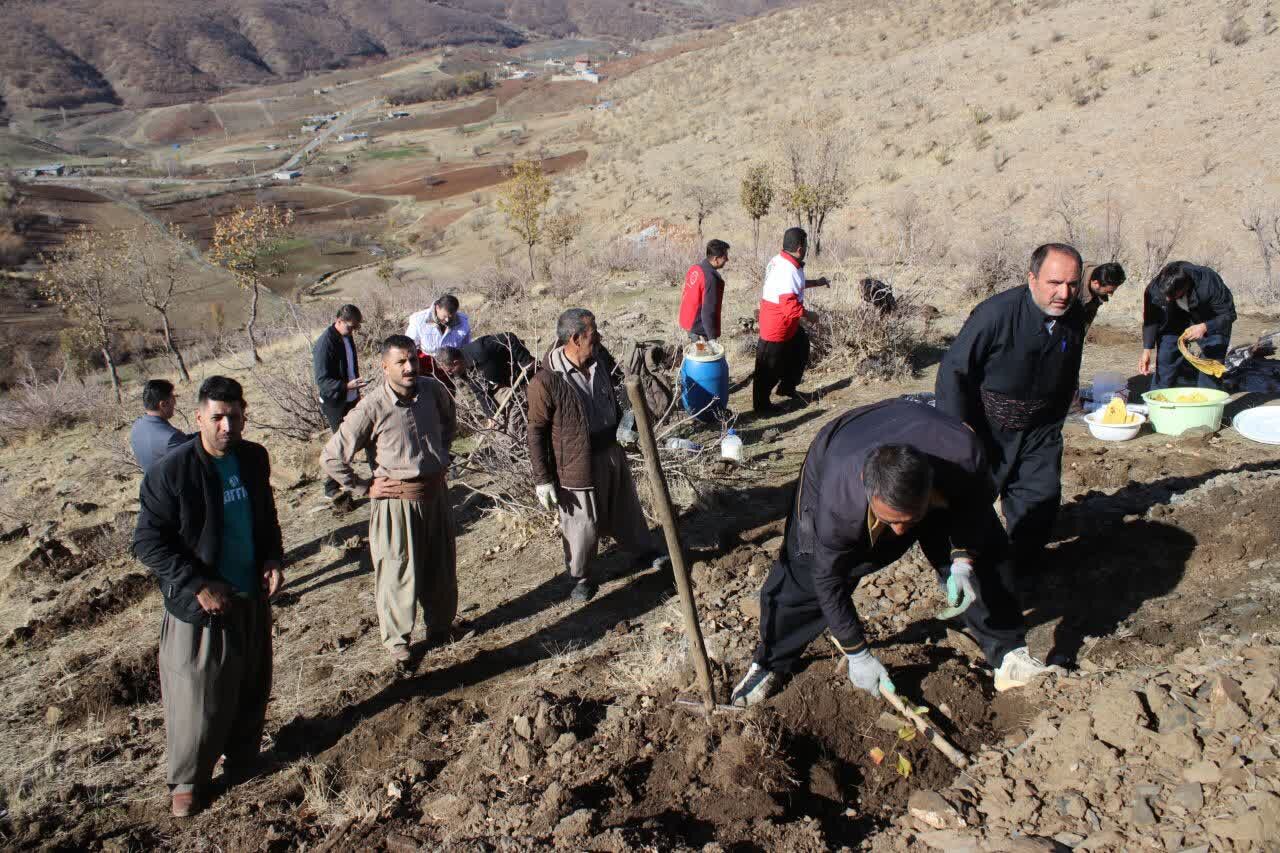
<point x="703" y="296"/>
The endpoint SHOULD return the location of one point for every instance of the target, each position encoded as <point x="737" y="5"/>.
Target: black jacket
<point x="827" y="538"/>
<point x="329" y="363"/>
<point x="1209" y="302"/>
<point x="177" y="536"/>
<point x="1004" y="353"/>
<point x="498" y="359"/>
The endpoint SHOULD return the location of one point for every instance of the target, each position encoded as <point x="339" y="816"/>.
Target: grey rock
<point x="1189" y="795"/>
<point x="1143" y="814"/>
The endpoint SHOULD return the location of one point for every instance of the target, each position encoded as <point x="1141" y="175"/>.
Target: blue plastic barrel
<point x="704" y="380"/>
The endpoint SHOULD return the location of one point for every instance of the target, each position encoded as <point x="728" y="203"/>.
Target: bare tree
<point x="702" y="200"/>
<point x="156" y="272"/>
<point x="83" y="278"/>
<point x="1160" y="243"/>
<point x="1264" y="225"/>
<point x="816" y="156"/>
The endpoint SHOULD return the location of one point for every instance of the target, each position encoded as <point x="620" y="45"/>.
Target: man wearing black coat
<point x="876" y="481"/>
<point x="208" y="530"/>
<point x="1184" y="298"/>
<point x="337" y="371"/>
<point x="490" y="366"/>
<point x="1011" y="375"/>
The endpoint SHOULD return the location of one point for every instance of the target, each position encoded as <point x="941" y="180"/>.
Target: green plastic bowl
<point x="1177" y="418"/>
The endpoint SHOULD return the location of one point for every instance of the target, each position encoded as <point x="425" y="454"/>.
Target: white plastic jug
<point x="731" y="447"/>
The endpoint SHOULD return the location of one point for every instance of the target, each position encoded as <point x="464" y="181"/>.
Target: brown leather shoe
<point x="183" y="805"/>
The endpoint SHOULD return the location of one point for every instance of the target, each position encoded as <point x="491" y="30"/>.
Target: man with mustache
<point x="1010" y="375"/>
<point x="410" y="422"/>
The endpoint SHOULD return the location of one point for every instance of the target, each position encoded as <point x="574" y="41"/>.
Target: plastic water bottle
<point x="626" y="430"/>
<point x="683" y="444"/>
<point x="731" y="447"/>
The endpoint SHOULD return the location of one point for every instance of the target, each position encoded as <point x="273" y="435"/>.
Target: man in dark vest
<point x="1011" y="375"/>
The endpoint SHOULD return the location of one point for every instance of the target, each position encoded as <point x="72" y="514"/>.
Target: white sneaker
<point x="755" y="687"/>
<point x="1019" y="668"/>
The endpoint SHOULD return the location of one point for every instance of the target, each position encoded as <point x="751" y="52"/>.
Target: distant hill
<point x="65" y="53"/>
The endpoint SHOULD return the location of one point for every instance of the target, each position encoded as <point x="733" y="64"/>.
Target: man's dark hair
<point x="572" y="322"/>
<point x="349" y="314"/>
<point x="155" y="392"/>
<point x="401" y="342"/>
<point x="899" y="475"/>
<point x="717" y="249"/>
<point x="1042" y="252"/>
<point x="220" y="389"/>
<point x="448" y="356"/>
<point x="1174" y="279"/>
<point x="448" y="302"/>
<point x="1110" y="274"/>
<point x="793" y="239"/>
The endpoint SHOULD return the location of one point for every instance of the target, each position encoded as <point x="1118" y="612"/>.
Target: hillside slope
<point x="65" y="53"/>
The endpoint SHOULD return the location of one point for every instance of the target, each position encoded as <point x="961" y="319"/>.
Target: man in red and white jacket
<point x="783" y="351"/>
<point x="703" y="296"/>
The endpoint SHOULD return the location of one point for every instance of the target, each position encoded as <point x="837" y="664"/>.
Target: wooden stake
<point x="667" y="517"/>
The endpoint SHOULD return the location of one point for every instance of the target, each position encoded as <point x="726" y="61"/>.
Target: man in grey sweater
<point x="152" y="436"/>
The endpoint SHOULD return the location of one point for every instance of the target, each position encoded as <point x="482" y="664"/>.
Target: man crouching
<point x="877" y="480"/>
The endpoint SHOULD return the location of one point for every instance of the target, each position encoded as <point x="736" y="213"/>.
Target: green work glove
<point x="868" y="674"/>
<point x="962" y="589"/>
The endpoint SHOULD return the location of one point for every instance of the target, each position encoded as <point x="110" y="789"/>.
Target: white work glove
<point x="868" y="674"/>
<point x="547" y="496"/>
<point x="962" y="589"/>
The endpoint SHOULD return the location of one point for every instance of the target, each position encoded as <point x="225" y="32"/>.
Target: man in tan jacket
<point x="578" y="466"/>
<point x="410" y="422"/>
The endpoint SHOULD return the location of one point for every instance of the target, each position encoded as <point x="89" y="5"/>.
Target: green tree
<point x="756" y="195"/>
<point x="524" y="200"/>
<point x="817" y="167"/>
<point x="245" y="243"/>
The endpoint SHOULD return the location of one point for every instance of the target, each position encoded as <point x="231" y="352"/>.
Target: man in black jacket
<point x="876" y="481"/>
<point x="1184" y="298"/>
<point x="490" y="366"/>
<point x="207" y="529"/>
<point x="337" y="372"/>
<point x="1011" y="374"/>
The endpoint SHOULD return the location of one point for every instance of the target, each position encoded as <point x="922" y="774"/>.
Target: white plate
<point x="1259" y="424"/>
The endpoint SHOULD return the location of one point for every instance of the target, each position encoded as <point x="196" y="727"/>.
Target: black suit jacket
<point x="178" y="535"/>
<point x="329" y="363"/>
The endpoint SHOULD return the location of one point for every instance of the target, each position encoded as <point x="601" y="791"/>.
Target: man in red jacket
<point x="783" y="351"/>
<point x="703" y="296"/>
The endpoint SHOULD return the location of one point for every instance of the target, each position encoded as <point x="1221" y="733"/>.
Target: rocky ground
<point x="540" y="724"/>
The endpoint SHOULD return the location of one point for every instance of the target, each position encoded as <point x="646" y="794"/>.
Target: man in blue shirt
<point x="152" y="436"/>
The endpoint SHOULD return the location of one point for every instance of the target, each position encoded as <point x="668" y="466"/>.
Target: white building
<point x="287" y="175"/>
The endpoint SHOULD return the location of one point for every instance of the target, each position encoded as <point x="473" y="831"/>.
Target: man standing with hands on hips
<point x="207" y="529"/>
<point x="410" y="420"/>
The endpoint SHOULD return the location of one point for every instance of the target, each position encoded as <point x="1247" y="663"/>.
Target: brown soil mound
<point x="425" y="185"/>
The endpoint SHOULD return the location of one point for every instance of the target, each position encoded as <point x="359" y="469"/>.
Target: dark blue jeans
<point x="1174" y="371"/>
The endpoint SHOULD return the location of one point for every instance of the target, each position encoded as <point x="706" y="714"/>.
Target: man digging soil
<point x="876" y="481"/>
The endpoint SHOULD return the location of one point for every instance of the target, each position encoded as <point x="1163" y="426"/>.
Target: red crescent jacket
<point x="782" y="303"/>
<point x="702" y="300"/>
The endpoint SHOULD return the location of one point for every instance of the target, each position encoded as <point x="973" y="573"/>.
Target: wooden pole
<point x="667" y="516"/>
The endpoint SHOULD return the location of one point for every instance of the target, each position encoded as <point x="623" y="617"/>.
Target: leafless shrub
<point x="997" y="264"/>
<point x="37" y="406"/>
<point x="1000" y="158"/>
<point x="662" y="258"/>
<point x="852" y="336"/>
<point x="1008" y="113"/>
<point x="293" y="408"/>
<point x="1160" y="243"/>
<point x="1264" y="225"/>
<point x="1234" y="30"/>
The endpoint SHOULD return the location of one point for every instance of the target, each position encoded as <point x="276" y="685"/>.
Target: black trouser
<point x="1027" y="466"/>
<point x="779" y="364"/>
<point x="334" y="415"/>
<point x="1174" y="371"/>
<point x="791" y="617"/>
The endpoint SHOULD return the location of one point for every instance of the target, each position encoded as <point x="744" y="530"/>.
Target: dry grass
<point x="37" y="407"/>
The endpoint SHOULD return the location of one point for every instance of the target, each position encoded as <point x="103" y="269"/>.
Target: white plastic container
<point x="683" y="444"/>
<point x="1113" y="432"/>
<point x="731" y="447"/>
